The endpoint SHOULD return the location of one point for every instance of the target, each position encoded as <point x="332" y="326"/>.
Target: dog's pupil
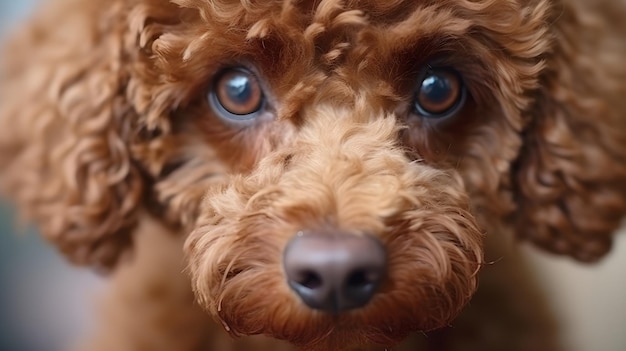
<point x="436" y="88"/>
<point x="238" y="89"/>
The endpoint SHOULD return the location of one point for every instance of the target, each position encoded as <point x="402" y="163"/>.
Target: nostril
<point x="309" y="279"/>
<point x="361" y="279"/>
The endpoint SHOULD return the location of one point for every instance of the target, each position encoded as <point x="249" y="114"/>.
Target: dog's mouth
<point x="337" y="247"/>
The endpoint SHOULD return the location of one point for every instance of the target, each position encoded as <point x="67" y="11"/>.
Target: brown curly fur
<point x="105" y="126"/>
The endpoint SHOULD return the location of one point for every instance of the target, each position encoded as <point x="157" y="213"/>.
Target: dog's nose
<point x="334" y="272"/>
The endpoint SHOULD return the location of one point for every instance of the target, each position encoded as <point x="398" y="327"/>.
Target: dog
<point x="327" y="175"/>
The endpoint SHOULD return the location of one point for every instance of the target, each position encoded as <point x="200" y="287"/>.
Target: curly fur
<point x="105" y="125"/>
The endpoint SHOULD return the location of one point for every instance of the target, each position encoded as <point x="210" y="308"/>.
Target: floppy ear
<point x="65" y="127"/>
<point x="570" y="178"/>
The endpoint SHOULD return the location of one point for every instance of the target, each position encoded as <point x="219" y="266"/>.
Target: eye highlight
<point x="440" y="93"/>
<point x="236" y="94"/>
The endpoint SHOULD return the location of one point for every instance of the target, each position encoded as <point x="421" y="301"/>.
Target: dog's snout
<point x="334" y="272"/>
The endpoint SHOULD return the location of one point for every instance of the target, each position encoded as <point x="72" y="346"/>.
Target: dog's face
<point x="334" y="163"/>
<point x="369" y="120"/>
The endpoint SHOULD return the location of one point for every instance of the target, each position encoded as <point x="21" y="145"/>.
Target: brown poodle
<point x="332" y="174"/>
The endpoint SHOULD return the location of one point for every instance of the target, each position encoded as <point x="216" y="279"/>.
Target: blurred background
<point x="45" y="304"/>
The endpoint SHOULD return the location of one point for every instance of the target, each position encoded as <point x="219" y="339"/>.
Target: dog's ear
<point x="570" y="179"/>
<point x="65" y="126"/>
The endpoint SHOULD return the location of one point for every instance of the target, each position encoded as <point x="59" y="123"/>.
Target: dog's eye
<point x="440" y="93"/>
<point x="237" y="94"/>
